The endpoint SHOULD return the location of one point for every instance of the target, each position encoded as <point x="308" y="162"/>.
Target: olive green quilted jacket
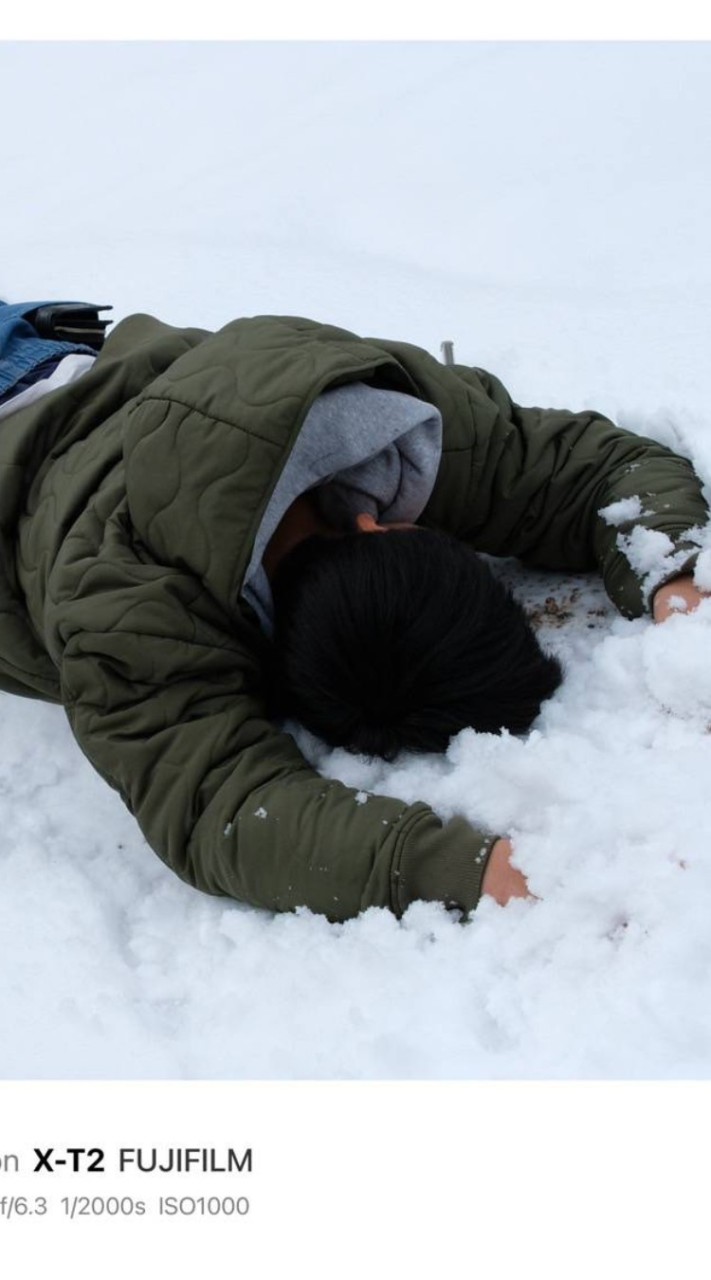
<point x="129" y="503"/>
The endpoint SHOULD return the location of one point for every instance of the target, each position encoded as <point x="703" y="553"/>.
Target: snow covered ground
<point x="548" y="208"/>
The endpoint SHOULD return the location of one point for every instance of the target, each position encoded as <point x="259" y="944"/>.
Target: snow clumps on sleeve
<point x="618" y="513"/>
<point x="649" y="551"/>
<point x="702" y="570"/>
<point x="652" y="556"/>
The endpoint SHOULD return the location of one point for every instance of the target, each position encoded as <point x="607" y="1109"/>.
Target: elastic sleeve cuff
<point x="441" y="862"/>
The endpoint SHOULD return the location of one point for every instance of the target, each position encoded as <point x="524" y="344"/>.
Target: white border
<point x="389" y="20"/>
<point x="500" y="1179"/>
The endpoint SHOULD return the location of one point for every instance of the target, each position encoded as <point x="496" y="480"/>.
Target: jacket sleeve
<point x="167" y="708"/>
<point x="537" y="484"/>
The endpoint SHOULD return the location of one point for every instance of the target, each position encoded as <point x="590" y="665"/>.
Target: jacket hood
<point x="360" y="449"/>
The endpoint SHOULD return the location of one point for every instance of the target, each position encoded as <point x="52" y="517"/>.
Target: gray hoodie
<point x="359" y="449"/>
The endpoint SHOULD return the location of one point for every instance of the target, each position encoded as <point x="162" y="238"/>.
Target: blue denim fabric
<point x="22" y="351"/>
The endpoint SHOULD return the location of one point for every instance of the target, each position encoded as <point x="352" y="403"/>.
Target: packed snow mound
<point x="676" y="661"/>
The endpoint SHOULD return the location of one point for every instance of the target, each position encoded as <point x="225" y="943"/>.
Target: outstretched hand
<point x="681" y="595"/>
<point x="502" y="881"/>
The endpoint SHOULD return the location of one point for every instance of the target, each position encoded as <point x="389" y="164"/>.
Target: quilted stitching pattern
<point x="129" y="508"/>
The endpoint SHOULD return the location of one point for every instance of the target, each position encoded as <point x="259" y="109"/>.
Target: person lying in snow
<point x="204" y="533"/>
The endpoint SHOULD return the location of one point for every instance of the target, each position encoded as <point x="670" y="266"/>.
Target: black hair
<point x="396" y="641"/>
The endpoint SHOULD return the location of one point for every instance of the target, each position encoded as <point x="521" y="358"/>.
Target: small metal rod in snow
<point x="447" y="349"/>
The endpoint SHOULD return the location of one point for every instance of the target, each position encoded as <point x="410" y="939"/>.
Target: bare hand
<point x="502" y="881"/>
<point x="668" y="599"/>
